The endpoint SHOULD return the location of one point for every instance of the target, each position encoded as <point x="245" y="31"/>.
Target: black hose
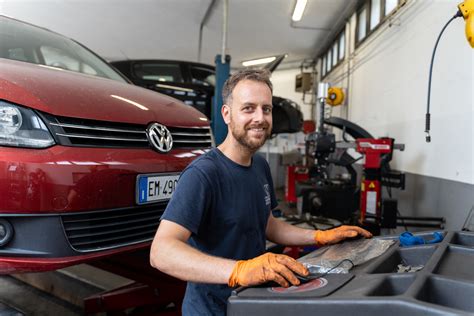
<point x="428" y="116"/>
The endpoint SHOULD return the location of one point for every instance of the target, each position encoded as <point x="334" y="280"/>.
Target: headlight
<point x="21" y="127"/>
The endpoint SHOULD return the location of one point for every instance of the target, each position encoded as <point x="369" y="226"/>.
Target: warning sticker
<point x="371" y="202"/>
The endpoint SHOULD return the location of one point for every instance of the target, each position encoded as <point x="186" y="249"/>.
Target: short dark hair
<point x="259" y="75"/>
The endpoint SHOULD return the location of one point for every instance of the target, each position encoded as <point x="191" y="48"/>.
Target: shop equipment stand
<point x="151" y="293"/>
<point x="444" y="286"/>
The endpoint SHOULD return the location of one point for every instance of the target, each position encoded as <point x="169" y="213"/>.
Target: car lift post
<point x="222" y="73"/>
<point x="219" y="128"/>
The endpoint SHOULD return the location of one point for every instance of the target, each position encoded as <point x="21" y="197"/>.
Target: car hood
<point x="71" y="94"/>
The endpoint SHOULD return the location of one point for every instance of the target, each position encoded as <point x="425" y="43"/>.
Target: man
<point x="214" y="229"/>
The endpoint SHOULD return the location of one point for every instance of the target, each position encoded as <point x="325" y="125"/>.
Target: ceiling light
<point x="259" y="61"/>
<point x="299" y="9"/>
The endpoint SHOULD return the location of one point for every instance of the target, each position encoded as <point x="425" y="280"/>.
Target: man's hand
<point x="267" y="267"/>
<point x="335" y="235"/>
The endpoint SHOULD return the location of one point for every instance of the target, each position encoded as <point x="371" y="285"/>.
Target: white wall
<point x="387" y="89"/>
<point x="387" y="79"/>
<point x="284" y="86"/>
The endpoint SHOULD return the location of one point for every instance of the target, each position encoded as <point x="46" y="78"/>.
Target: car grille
<point x="106" y="229"/>
<point x="91" y="133"/>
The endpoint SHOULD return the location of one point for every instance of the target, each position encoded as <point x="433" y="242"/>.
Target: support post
<point x="219" y="128"/>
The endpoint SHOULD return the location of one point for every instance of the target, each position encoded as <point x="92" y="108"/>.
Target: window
<point x="342" y="45"/>
<point x="27" y="43"/>
<point x="369" y="17"/>
<point x="58" y="58"/>
<point x="390" y="5"/>
<point x="374" y="13"/>
<point x="361" y="24"/>
<point x="323" y="66"/>
<point x="334" y="54"/>
<point x="328" y="60"/>
<point x="203" y="76"/>
<point x="17" y="54"/>
<point x="160" y="72"/>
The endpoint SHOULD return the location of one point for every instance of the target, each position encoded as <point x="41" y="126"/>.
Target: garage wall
<point x="284" y="86"/>
<point x="387" y="78"/>
<point x="388" y="84"/>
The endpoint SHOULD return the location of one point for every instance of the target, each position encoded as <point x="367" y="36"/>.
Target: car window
<point x="24" y="42"/>
<point x="17" y="54"/>
<point x="58" y="58"/>
<point x="163" y="72"/>
<point x="203" y="76"/>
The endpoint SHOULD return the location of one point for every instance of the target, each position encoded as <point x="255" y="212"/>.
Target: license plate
<point x="155" y="187"/>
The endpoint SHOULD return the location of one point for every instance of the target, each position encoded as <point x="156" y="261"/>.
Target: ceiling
<point x="169" y="29"/>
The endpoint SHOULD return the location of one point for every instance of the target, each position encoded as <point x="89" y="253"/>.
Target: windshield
<point x="24" y="42"/>
<point x="203" y="76"/>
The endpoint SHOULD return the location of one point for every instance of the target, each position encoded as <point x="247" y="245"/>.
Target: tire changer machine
<point x="330" y="193"/>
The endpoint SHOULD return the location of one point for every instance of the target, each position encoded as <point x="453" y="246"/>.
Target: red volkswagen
<point x="87" y="160"/>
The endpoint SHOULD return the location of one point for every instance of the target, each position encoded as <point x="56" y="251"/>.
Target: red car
<point x="88" y="161"/>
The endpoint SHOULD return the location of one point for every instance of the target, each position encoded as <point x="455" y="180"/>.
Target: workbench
<point x="444" y="285"/>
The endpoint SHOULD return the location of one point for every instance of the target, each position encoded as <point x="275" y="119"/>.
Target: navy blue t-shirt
<point x="226" y="207"/>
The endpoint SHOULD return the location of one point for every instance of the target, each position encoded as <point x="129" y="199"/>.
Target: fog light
<point x="6" y="232"/>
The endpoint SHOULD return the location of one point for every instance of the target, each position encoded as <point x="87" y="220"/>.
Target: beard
<point x="250" y="143"/>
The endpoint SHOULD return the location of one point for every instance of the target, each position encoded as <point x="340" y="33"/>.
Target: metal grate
<point x="107" y="229"/>
<point x="91" y="133"/>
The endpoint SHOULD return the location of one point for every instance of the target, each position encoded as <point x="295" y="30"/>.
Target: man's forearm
<point x="289" y="235"/>
<point x="177" y="258"/>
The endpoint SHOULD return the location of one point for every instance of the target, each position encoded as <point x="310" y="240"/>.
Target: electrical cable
<point x="344" y="137"/>
<point x="428" y="116"/>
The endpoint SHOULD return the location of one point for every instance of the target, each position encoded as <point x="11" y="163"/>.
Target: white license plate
<point x="155" y="187"/>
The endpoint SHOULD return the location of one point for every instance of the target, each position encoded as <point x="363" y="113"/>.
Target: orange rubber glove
<point x="267" y="267"/>
<point x="335" y="235"/>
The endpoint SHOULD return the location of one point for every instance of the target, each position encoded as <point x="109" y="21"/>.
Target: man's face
<point x="249" y="114"/>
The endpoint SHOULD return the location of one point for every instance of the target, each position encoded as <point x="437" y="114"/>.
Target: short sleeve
<point x="190" y="201"/>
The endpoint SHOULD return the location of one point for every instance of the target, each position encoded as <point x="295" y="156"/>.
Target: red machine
<point x="332" y="194"/>
<point x="294" y="174"/>
<point x="376" y="151"/>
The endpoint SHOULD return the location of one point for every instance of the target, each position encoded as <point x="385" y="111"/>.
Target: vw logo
<point x="159" y="137"/>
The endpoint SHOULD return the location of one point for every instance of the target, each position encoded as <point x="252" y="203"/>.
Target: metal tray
<point x="445" y="285"/>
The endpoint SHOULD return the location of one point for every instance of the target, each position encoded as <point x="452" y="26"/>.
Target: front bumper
<point x="69" y="205"/>
<point x="42" y="242"/>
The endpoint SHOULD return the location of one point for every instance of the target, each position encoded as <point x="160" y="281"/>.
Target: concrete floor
<point x="58" y="292"/>
<point x="18" y="298"/>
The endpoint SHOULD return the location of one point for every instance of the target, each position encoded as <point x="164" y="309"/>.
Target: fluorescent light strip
<point x="299" y="9"/>
<point x="259" y="61"/>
